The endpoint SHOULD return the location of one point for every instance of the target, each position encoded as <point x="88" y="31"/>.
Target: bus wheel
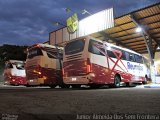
<point x="128" y="84"/>
<point x="65" y="86"/>
<point x="95" y="86"/>
<point x="27" y="85"/>
<point x="52" y="86"/>
<point x="76" y="86"/>
<point x="15" y="84"/>
<point x="145" y="81"/>
<point x="117" y="81"/>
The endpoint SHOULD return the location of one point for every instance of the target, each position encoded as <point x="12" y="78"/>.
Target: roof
<point x="124" y="34"/>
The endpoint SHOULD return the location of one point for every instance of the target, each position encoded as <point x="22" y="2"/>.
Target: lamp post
<point x="58" y="24"/>
<point x="68" y="10"/>
<point x="56" y="45"/>
<point x="84" y="11"/>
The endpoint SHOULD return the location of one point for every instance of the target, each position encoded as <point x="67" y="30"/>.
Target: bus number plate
<point x="74" y="79"/>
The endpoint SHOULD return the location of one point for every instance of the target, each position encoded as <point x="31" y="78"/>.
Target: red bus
<point x="43" y="66"/>
<point x="89" y="61"/>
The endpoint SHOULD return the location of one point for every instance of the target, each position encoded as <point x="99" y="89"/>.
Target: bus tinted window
<point x="111" y="54"/>
<point x="93" y="49"/>
<point x="74" y="47"/>
<point x="129" y="56"/>
<point x="138" y="58"/>
<point x="54" y="55"/>
<point x="34" y="52"/>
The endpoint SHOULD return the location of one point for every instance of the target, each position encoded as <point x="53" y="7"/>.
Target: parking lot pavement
<point x="35" y="103"/>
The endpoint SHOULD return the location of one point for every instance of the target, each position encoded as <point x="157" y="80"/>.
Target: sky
<point x="27" y="22"/>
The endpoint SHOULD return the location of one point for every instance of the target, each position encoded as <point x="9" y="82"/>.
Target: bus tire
<point x="76" y="86"/>
<point x="128" y="84"/>
<point x="15" y="84"/>
<point x="27" y="85"/>
<point x="117" y="81"/>
<point x="95" y="86"/>
<point x="52" y="86"/>
<point x="145" y="81"/>
<point x="65" y="86"/>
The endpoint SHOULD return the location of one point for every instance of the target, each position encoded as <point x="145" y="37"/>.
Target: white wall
<point x="156" y="65"/>
<point x="94" y="23"/>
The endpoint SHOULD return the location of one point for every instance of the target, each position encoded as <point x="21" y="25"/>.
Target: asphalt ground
<point x="43" y="103"/>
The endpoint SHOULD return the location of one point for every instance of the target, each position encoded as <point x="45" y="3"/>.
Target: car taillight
<point x="89" y="66"/>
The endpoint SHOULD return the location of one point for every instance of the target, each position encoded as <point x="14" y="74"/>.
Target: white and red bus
<point x="43" y="65"/>
<point x="89" y="61"/>
<point x="14" y="72"/>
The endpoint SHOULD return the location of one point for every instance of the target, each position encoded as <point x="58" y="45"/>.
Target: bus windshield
<point x="34" y="52"/>
<point x="74" y="47"/>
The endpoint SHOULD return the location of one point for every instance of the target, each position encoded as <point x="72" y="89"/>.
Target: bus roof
<point x="43" y="45"/>
<point x="90" y="37"/>
<point x="122" y="48"/>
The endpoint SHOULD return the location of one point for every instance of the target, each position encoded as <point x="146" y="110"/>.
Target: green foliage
<point x="14" y="52"/>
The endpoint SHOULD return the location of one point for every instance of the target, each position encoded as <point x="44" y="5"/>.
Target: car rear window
<point x="19" y="66"/>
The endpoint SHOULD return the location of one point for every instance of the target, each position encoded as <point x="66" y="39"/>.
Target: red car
<point x="14" y="73"/>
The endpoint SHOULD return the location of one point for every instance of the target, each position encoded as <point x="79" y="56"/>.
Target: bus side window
<point x="138" y="58"/>
<point x="111" y="54"/>
<point x="54" y="55"/>
<point x="131" y="57"/>
<point x="126" y="55"/>
<point x="93" y="49"/>
<point x="123" y="55"/>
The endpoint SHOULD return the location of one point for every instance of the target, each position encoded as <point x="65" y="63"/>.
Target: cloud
<point x="26" y="22"/>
